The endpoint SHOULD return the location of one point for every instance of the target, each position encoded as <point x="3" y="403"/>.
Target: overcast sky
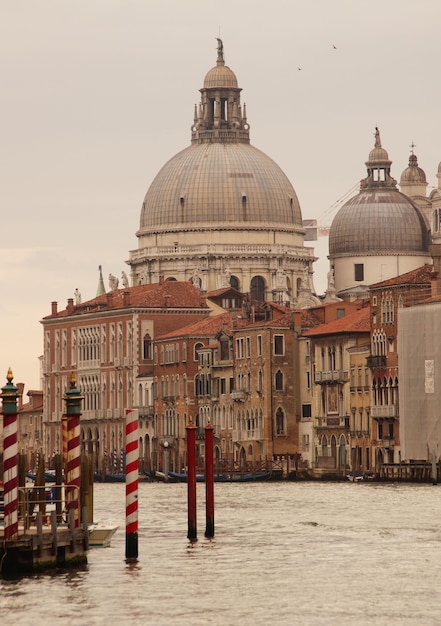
<point x="98" y="94"/>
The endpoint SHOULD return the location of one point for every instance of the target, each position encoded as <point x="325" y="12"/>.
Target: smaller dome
<point x="220" y="76"/>
<point x="378" y="154"/>
<point x="413" y="174"/>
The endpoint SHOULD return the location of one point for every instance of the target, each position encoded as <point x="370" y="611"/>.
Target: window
<point x="259" y="345"/>
<point x="280" y="422"/>
<point x="257" y="288"/>
<point x="248" y="346"/>
<point x="197" y="347"/>
<point x="279" y="347"/>
<point x="224" y="350"/>
<point x="359" y="271"/>
<point x="340" y="313"/>
<point x="306" y="410"/>
<point x="279" y="381"/>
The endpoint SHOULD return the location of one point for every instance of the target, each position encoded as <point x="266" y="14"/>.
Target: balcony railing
<point x="339" y="421"/>
<point x="384" y="410"/>
<point x="239" y="396"/>
<point x="254" y="434"/>
<point x="376" y="361"/>
<point x="326" y="377"/>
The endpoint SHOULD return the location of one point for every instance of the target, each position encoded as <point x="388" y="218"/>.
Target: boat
<point x="117" y="477"/>
<point x="225" y="477"/>
<point x="49" y="476"/>
<point x="100" y="534"/>
<point x="359" y="476"/>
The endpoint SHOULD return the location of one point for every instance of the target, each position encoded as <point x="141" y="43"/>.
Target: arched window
<point x="257" y="288"/>
<point x="279" y="380"/>
<point x="147" y="347"/>
<point x="234" y="282"/>
<point x="280" y="422"/>
<point x="197" y="346"/>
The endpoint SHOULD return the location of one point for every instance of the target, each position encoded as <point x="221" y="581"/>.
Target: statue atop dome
<point x="220" y="50"/>
<point x="377" y="138"/>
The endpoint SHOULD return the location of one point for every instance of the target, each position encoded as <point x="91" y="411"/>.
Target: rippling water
<point x="284" y="553"/>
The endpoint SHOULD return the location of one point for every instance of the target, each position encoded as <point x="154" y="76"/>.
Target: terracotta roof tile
<point x="359" y="322"/>
<point x="169" y="294"/>
<point x="421" y="275"/>
<point x="208" y="327"/>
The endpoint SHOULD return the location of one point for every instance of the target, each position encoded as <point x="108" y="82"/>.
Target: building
<point x="30" y="426"/>
<point x="332" y="346"/>
<point x="388" y="299"/>
<point x="221" y="213"/>
<point x="108" y="342"/>
<point x="378" y="234"/>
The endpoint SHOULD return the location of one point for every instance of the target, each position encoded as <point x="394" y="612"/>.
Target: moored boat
<point x="100" y="534"/>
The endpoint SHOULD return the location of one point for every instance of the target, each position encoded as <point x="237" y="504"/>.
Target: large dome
<point x="380" y="221"/>
<point x="216" y="185"/>
<point x="221" y="213"/>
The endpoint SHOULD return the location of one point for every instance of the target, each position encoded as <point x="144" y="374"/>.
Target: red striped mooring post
<point x="132" y="462"/>
<point x="191" y="479"/>
<point x="9" y="397"/>
<point x="73" y="400"/>
<point x="209" y="480"/>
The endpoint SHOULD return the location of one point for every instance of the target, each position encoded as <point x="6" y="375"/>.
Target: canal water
<point x="284" y="553"/>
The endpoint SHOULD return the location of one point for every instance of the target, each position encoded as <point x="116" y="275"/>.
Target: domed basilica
<point x="221" y="212"/>
<point x="380" y="233"/>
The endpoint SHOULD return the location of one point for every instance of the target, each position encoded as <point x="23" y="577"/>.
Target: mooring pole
<point x="209" y="480"/>
<point x="191" y="479"/>
<point x="132" y="463"/>
<point x="73" y="400"/>
<point x="9" y="397"/>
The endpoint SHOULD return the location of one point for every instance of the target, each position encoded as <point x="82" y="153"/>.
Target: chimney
<point x="167" y="299"/>
<point x="109" y="299"/>
<point x="54" y="309"/>
<point x="20" y="388"/>
<point x="161" y="280"/>
<point x="70" y="306"/>
<point x="126" y="298"/>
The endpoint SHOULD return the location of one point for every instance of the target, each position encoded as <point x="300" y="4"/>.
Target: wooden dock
<point x="44" y="546"/>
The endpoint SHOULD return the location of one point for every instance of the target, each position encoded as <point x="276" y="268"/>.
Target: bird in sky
<point x="335" y="47"/>
<point x="299" y="68"/>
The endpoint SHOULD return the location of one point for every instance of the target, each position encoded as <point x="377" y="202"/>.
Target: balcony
<point x="324" y="377"/>
<point x="339" y="421"/>
<point x="388" y="442"/>
<point x="254" y="434"/>
<point x="239" y="396"/>
<point x="145" y="411"/>
<point x="384" y="411"/>
<point x="376" y="361"/>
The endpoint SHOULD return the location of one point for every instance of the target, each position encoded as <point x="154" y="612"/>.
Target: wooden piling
<point x="191" y="480"/>
<point x="209" y="481"/>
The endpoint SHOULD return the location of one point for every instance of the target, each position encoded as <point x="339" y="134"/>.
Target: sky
<point x="96" y="96"/>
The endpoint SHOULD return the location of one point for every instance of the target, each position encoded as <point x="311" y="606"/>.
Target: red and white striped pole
<point x="132" y="462"/>
<point x="9" y="397"/>
<point x="73" y="400"/>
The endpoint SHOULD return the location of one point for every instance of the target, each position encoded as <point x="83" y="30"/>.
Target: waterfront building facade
<point x="108" y="342"/>
<point x="387" y="298"/>
<point x="331" y="344"/>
